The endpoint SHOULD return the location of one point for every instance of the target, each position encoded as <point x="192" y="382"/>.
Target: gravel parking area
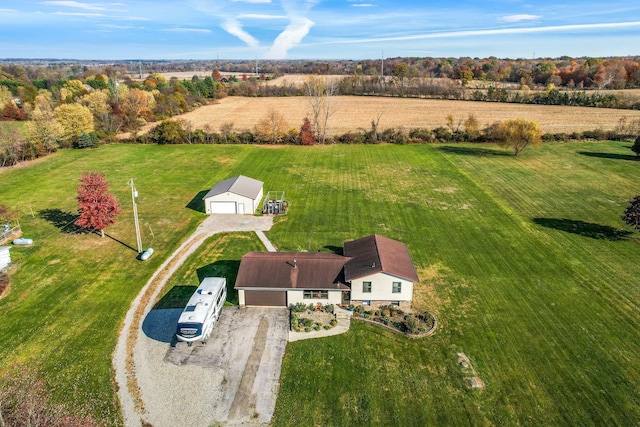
<point x="232" y="380"/>
<point x="157" y="391"/>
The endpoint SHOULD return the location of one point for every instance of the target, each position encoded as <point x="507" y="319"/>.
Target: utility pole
<point x="134" y="194"/>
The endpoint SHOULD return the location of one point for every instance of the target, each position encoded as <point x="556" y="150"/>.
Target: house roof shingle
<point x="241" y="185"/>
<point x="291" y="270"/>
<point x="377" y="254"/>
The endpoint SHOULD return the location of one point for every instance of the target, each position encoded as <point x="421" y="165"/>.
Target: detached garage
<point x="238" y="195"/>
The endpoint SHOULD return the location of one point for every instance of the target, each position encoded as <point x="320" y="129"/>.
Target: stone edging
<point x="420" y="335"/>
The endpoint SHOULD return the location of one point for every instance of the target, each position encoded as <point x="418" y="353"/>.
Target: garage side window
<point x="366" y="287"/>
<point x="315" y="295"/>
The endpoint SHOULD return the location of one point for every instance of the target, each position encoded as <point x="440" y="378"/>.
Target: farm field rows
<point x="353" y="113"/>
<point x="524" y="261"/>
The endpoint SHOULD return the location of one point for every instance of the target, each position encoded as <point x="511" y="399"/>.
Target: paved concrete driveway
<point x="232" y="380"/>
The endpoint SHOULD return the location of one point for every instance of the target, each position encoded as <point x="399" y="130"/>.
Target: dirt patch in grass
<point x="447" y="190"/>
<point x="426" y="293"/>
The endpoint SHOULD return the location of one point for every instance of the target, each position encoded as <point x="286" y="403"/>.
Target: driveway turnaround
<point x="231" y="380"/>
<point x="153" y="391"/>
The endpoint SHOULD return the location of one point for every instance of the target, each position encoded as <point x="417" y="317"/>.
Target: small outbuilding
<point x="237" y="195"/>
<point x="5" y="257"/>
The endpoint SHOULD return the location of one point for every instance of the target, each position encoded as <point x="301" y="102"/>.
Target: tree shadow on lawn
<point x="614" y="156"/>
<point x="474" y="151"/>
<point x="197" y="204"/>
<point x="586" y="229"/>
<point x="64" y="221"/>
<point x="222" y="268"/>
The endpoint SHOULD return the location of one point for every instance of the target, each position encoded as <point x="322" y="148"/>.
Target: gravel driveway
<point x="230" y="380"/>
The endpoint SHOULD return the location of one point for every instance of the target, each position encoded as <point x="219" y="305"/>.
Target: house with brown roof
<point x="379" y="272"/>
<point x="374" y="270"/>
<point x="283" y="278"/>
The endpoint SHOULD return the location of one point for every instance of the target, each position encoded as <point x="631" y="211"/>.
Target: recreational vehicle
<point x="202" y="310"/>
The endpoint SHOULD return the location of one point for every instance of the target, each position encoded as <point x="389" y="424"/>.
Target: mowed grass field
<point x="356" y="112"/>
<point x="524" y="261"/>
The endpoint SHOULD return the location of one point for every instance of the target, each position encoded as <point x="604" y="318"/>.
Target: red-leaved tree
<point x="97" y="208"/>
<point x="306" y="135"/>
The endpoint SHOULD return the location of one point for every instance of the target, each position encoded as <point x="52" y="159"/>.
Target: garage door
<point x="266" y="298"/>
<point x="223" y="207"/>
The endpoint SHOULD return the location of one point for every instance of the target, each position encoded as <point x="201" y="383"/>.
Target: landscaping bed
<point x="410" y="323"/>
<point x="312" y="317"/>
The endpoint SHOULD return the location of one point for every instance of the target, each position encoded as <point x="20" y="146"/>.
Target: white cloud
<point x="297" y="29"/>
<point x="494" y="31"/>
<point x="260" y="16"/>
<point x="251" y="1"/>
<point x="85" y="14"/>
<point x="234" y="28"/>
<point x="8" y="11"/>
<point x="121" y="27"/>
<point x="363" y="5"/>
<point x="78" y="5"/>
<point x="518" y="18"/>
<point x="187" y="30"/>
<point x="135" y="18"/>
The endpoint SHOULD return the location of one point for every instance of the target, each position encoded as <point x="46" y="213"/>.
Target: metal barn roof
<point x="241" y="185"/>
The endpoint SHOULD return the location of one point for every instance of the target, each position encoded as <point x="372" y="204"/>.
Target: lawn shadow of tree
<point x="586" y="229"/>
<point x="197" y="204"/>
<point x="614" y="156"/>
<point x="474" y="151"/>
<point x="222" y="268"/>
<point x="64" y="221"/>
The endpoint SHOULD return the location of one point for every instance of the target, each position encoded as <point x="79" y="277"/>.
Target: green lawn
<point x="524" y="260"/>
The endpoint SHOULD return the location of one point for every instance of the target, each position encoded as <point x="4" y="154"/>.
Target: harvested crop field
<point x="353" y="113"/>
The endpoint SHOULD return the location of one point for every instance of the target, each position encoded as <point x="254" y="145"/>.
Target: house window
<point x="397" y="287"/>
<point x="366" y="287"/>
<point x="367" y="302"/>
<point x="396" y="303"/>
<point x="315" y="294"/>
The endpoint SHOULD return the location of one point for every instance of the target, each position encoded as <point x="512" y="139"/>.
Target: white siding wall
<point x="294" y="297"/>
<point x="231" y="197"/>
<point x="381" y="288"/>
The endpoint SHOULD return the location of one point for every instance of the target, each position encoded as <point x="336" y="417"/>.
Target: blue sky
<point x="316" y="29"/>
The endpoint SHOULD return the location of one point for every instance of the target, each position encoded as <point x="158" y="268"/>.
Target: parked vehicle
<point x="202" y="311"/>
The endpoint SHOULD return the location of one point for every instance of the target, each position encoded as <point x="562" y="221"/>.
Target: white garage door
<point x="223" y="207"/>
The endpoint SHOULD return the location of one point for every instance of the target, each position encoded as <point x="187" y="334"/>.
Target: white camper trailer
<point x="202" y="311"/>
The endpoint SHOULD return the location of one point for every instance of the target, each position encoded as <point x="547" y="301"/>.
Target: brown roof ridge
<point x="379" y="258"/>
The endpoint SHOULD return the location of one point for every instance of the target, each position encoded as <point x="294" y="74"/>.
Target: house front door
<point x="346" y="297"/>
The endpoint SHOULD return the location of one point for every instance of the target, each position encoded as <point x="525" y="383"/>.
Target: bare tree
<point x="321" y="91"/>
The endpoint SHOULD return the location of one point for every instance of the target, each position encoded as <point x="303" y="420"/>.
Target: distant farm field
<point x="525" y="262"/>
<point x="353" y="113"/>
